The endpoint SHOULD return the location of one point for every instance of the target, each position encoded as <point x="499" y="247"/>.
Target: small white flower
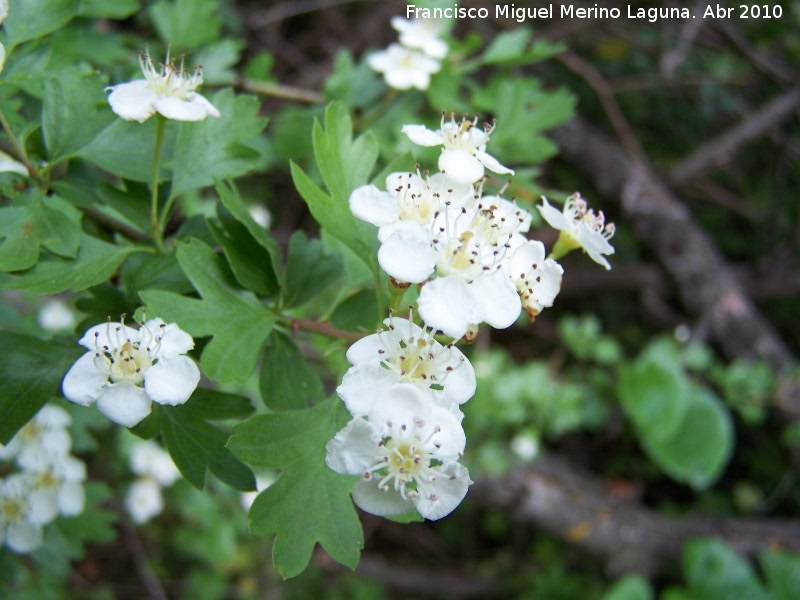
<point x="403" y="68"/>
<point x="45" y="435"/>
<point x="150" y="460"/>
<point x="169" y="91"/>
<point x="580" y="228"/>
<point x="406" y="452"/>
<point x="405" y="353"/>
<point x="20" y="526"/>
<point x="144" y="500"/>
<point x="3" y="15"/>
<point x="422" y="35"/>
<point x="55" y="315"/>
<point x="409" y="199"/>
<point x="57" y="485"/>
<point x="463" y="156"/>
<point x="126" y="370"/>
<point x="526" y="445"/>
<point x="538" y="279"/>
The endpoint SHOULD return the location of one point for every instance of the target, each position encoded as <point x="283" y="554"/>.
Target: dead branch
<point x="707" y="285"/>
<point x="583" y="509"/>
<point x="724" y="147"/>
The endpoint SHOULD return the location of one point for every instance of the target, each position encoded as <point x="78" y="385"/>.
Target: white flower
<point x="422" y="35"/>
<point x="463" y="156"/>
<point x="169" y="91"/>
<point x="472" y="286"/>
<point x="538" y="279"/>
<point x="405" y="353"/>
<point x="406" y="452"/>
<point x="144" y="500"/>
<point x="20" y="525"/>
<point x="55" y="315"/>
<point x="3" y="15"/>
<point x="7" y="163"/>
<point x="57" y="485"/>
<point x="149" y="459"/>
<point x="580" y="228"/>
<point x="45" y="435"/>
<point x="526" y="445"/>
<point x="409" y="199"/>
<point x="403" y="68"/>
<point x="126" y="370"/>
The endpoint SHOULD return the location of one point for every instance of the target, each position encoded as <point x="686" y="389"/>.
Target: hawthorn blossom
<point x="3" y="15"/>
<point x="406" y="353"/>
<point x="580" y="228"/>
<point x="406" y="451"/>
<point x="148" y="459"/>
<point x="126" y="370"/>
<point x="144" y="500"/>
<point x="20" y="522"/>
<point x="45" y="434"/>
<point x="404" y="68"/>
<point x="538" y="279"/>
<point x="422" y="35"/>
<point x="170" y="91"/>
<point x="463" y="156"/>
<point x="410" y="199"/>
<point x="57" y="485"/>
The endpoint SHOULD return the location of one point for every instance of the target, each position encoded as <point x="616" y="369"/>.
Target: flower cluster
<point x="127" y="369"/>
<point x="411" y="62"/>
<point x="48" y="481"/>
<point x="155" y="471"/>
<point x="405" y="438"/>
<point x="169" y="91"/>
<point x="469" y="253"/>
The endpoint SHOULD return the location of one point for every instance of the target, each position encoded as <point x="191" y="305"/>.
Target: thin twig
<point x="155" y="591"/>
<point x="325" y="328"/>
<point x="287" y="92"/>
<point x="672" y="60"/>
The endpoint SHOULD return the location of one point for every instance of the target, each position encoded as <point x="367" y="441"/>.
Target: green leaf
<point x="31" y="371"/>
<point x="215" y="405"/>
<point x="699" y="449"/>
<point x="37" y="221"/>
<point x="308" y="270"/>
<point x="356" y="85"/>
<point x="358" y="312"/>
<point x="195" y="446"/>
<point x="654" y="392"/>
<point x="125" y="149"/>
<point x="308" y="503"/>
<point x="103" y="9"/>
<point x="95" y="263"/>
<point x="782" y="572"/>
<point x="630" y="587"/>
<point x="287" y="381"/>
<point x="214" y="149"/>
<point x="32" y="19"/>
<point x="187" y="24"/>
<point x="236" y="319"/>
<point x="713" y="570"/>
<point x="147" y="272"/>
<point x="74" y="111"/>
<point x="231" y="200"/>
<point x="507" y="46"/>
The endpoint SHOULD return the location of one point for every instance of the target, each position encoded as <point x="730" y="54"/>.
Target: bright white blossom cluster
<point x="47" y="482"/>
<point x="125" y="370"/>
<point x="470" y="256"/>
<point x="405" y="438"/>
<point x="411" y="62"/>
<point x="3" y="15"/>
<point x="168" y="90"/>
<point x="155" y="471"/>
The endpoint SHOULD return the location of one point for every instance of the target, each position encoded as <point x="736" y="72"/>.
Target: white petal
<point x="370" y="204"/>
<point x="460" y="384"/>
<point x="361" y="386"/>
<point x="171" y="380"/>
<point x="422" y="136"/>
<point x="23" y="536"/>
<point x="498" y="298"/>
<point x="491" y="163"/>
<point x="447" y="304"/>
<point x="554" y="217"/>
<point x="133" y="101"/>
<point x="52" y="417"/>
<point x="71" y="498"/>
<point x="124" y="403"/>
<point x="407" y="255"/>
<point x="448" y="491"/>
<point x="403" y="79"/>
<point x="369" y="498"/>
<point x="8" y="164"/>
<point x="174" y="340"/>
<point x="372" y="348"/>
<point x="354" y="449"/>
<point x="42" y="506"/>
<point x="399" y="405"/>
<point x="460" y="166"/>
<point x="112" y="335"/>
<point x="143" y="500"/>
<point x="84" y="382"/>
